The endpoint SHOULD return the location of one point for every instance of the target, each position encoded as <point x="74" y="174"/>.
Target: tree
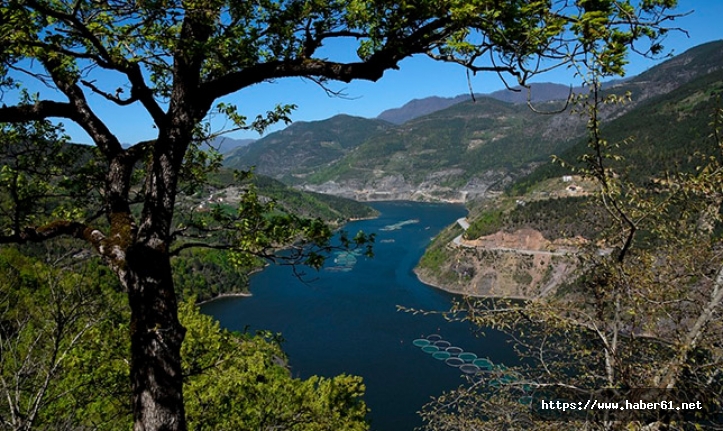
<point x="178" y="58"/>
<point x="642" y="319"/>
<point x="238" y="381"/>
<point x="63" y="349"/>
<point x="60" y="358"/>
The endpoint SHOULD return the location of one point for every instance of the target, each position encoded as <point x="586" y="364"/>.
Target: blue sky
<point x="417" y="77"/>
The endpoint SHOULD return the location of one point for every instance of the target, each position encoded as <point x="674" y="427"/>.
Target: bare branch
<point x="113" y="98"/>
<point x="106" y="141"/>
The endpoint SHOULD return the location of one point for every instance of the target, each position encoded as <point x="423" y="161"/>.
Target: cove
<point x="344" y="318"/>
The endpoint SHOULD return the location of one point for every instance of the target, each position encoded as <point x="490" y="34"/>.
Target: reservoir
<point x="344" y="318"/>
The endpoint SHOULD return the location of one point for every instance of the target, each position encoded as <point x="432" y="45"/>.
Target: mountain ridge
<point x="538" y="92"/>
<point x="465" y="150"/>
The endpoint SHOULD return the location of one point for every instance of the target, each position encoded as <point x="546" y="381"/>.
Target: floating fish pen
<point x="421" y="342"/>
<point x="454" y="350"/>
<point x="467" y="356"/>
<point x="442" y="344"/>
<point x="430" y="349"/>
<point x="345" y="259"/>
<point x="467" y="362"/>
<point x="441" y="355"/>
<point x="483" y="363"/>
<point x="454" y="362"/>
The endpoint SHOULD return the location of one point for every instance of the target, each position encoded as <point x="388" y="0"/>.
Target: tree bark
<point x="155" y="331"/>
<point x="156" y="337"/>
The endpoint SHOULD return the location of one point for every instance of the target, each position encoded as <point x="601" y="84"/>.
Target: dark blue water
<point x="347" y="322"/>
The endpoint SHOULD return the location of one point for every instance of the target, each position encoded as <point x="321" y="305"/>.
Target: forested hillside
<point x="301" y="148"/>
<point x="463" y="150"/>
<point x="662" y="136"/>
<point x="64" y="343"/>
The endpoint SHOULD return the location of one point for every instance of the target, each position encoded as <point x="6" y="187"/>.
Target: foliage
<point x="643" y="314"/>
<point x="486" y="224"/>
<point x="63" y="348"/>
<point x="206" y="274"/>
<point x="241" y="382"/>
<point x="178" y="59"/>
<point x="37" y="182"/>
<point x="62" y="364"/>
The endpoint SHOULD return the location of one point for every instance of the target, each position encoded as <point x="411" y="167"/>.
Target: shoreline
<point x="259" y="269"/>
<point x="446" y="289"/>
<point x="227" y="295"/>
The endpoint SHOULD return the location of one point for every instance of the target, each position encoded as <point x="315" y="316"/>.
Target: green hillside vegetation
<point x="555" y="218"/>
<point x="63" y="350"/>
<point x="660" y="135"/>
<point x="437" y="254"/>
<point x="469" y="137"/>
<point x="695" y="62"/>
<point x="314" y="205"/>
<point x="208" y="273"/>
<point x="304" y="146"/>
<point x="331" y="209"/>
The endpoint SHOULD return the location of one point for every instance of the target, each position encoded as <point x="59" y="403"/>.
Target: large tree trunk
<point x="156" y="337"/>
<point x="156" y="333"/>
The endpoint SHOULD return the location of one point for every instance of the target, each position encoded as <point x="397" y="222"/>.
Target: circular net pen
<point x="421" y="342"/>
<point x="441" y="355"/>
<point x="430" y="349"/>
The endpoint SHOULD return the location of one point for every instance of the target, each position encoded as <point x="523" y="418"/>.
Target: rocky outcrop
<point x="522" y="264"/>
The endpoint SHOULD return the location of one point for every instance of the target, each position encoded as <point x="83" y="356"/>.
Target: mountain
<point x="469" y="148"/>
<point x="660" y="134"/>
<point x="455" y="153"/>
<point x="419" y="107"/>
<point x="440" y="154"/>
<point x="517" y="244"/>
<point x="538" y="93"/>
<point x="225" y="145"/>
<point x="543" y="92"/>
<point x="292" y="153"/>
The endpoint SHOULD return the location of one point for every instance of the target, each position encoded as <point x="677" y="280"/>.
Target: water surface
<point x="346" y="319"/>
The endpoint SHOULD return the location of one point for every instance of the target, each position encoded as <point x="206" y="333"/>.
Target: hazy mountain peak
<point x="538" y="92"/>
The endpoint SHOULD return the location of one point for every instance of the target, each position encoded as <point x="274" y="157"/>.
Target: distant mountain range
<point x="667" y="134"/>
<point x="225" y="145"/>
<point x="457" y="148"/>
<point x="544" y="92"/>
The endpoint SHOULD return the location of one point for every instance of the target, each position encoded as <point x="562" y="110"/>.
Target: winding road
<point x="457" y="241"/>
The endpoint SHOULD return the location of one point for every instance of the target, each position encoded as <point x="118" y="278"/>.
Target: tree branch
<point x="103" y="58"/>
<point x="110" y="97"/>
<point x="106" y="141"/>
<point x="53" y="230"/>
<point x="370" y="69"/>
<point x="37" y="111"/>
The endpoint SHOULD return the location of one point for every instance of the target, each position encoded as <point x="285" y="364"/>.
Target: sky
<point x="417" y="77"/>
